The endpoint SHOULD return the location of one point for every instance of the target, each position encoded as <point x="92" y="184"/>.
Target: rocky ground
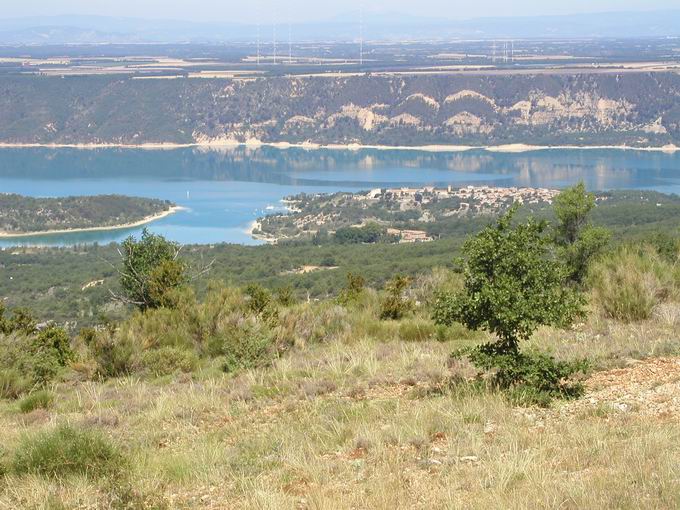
<point x="650" y="388"/>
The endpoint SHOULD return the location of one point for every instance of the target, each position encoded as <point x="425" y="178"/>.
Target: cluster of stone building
<point x="483" y="196"/>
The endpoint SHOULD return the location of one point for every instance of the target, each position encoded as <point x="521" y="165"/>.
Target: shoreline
<point x="143" y="221"/>
<point x="257" y="225"/>
<point x="254" y="144"/>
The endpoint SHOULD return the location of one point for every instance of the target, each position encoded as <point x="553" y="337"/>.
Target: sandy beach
<point x="257" y="225"/>
<point x="254" y="144"/>
<point x="144" y="221"/>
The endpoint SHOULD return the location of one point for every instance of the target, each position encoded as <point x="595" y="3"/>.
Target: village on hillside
<point x="404" y="212"/>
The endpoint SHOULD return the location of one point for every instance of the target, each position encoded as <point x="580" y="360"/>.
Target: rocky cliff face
<point x="634" y="109"/>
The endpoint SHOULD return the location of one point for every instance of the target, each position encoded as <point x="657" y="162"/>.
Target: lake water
<point x="225" y="191"/>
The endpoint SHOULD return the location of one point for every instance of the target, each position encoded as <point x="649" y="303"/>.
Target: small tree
<point x="151" y="271"/>
<point x="579" y="241"/>
<point x="512" y="285"/>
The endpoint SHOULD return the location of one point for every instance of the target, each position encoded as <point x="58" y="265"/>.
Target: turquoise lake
<point x="225" y="191"/>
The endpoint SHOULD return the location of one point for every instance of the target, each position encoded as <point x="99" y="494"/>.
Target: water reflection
<point x="225" y="190"/>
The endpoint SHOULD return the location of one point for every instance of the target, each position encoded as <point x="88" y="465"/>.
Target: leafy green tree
<point x="369" y="233"/>
<point x="579" y="241"/>
<point x="512" y="285"/>
<point x="152" y="271"/>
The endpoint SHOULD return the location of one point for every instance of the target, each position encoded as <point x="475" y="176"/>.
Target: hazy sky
<point x="305" y="10"/>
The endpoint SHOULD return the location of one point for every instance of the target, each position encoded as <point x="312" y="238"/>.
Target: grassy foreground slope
<point x="369" y="417"/>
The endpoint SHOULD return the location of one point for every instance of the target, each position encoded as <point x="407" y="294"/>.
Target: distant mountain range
<point x="102" y="30"/>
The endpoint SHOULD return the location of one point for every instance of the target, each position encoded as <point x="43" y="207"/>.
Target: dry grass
<point x="364" y="423"/>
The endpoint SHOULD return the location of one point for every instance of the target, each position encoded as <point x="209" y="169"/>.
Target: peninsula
<point x="22" y="216"/>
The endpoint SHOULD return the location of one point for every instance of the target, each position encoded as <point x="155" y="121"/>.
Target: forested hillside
<point x="638" y="109"/>
<point x="21" y="215"/>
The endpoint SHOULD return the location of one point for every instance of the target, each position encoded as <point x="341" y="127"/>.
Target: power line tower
<point x="257" y="7"/>
<point x="361" y="34"/>
<point x="274" y="37"/>
<point x="290" y="40"/>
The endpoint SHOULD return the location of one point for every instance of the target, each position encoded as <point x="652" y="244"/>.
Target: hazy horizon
<point x="306" y="10"/>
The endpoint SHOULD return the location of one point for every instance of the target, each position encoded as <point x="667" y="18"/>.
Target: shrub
<point x="512" y="286"/>
<point x="666" y="245"/>
<point x="429" y="286"/>
<point x="151" y="271"/>
<point x="168" y="360"/>
<point x="41" y="399"/>
<point x="307" y="324"/>
<point x="629" y="283"/>
<point x="30" y="361"/>
<point x="532" y="378"/>
<point x="260" y="302"/>
<point x="112" y="354"/>
<point x="22" y="321"/>
<point x="394" y="305"/>
<point x="353" y="289"/>
<point x="56" y="340"/>
<point x="241" y="329"/>
<point x="66" y="451"/>
<point x="13" y="383"/>
<point x="285" y="296"/>
<point x="248" y="345"/>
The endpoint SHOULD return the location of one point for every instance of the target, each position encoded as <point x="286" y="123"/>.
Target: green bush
<point x="111" y="353"/>
<point x="28" y="361"/>
<point x="260" y="302"/>
<point x="168" y="360"/>
<point x="239" y="328"/>
<point x="580" y="242"/>
<point x="630" y="282"/>
<point x="322" y="322"/>
<point x="21" y="321"/>
<point x="66" y="451"/>
<point x="531" y="378"/>
<point x="249" y="345"/>
<point x="457" y="332"/>
<point x="56" y="340"/>
<point x="285" y="296"/>
<point x="353" y="290"/>
<point x="151" y="271"/>
<point x="41" y="399"/>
